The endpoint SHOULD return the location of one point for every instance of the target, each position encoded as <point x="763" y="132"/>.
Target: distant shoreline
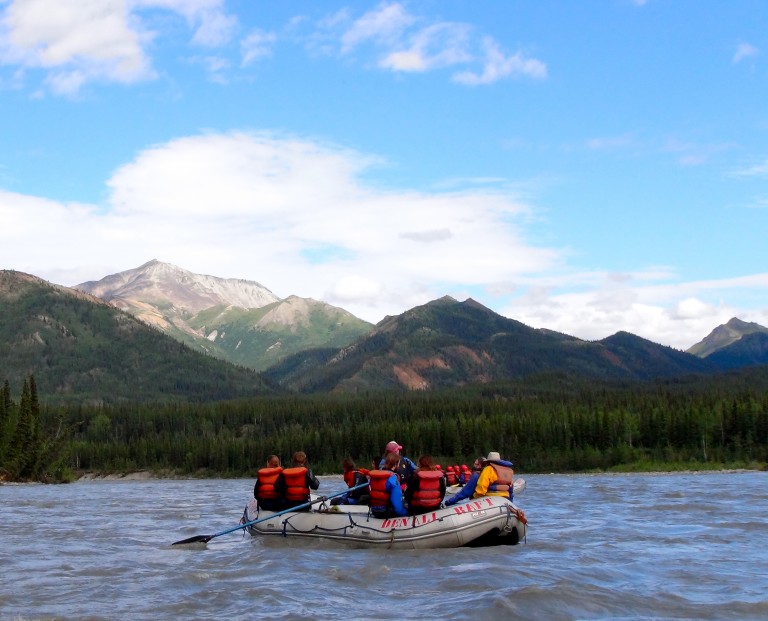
<point x="144" y="475"/>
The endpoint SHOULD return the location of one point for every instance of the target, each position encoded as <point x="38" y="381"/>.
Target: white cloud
<point x="80" y="41"/>
<point x="756" y="170"/>
<point x="497" y="65"/>
<point x="744" y="51"/>
<point x="260" y="206"/>
<point x="257" y="45"/>
<point x="405" y="42"/>
<point x="660" y="308"/>
<point x="385" y="24"/>
<point x="438" y="45"/>
<point x="294" y="215"/>
<point x="211" y="23"/>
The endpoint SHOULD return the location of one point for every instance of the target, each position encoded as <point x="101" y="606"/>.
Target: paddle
<point x="207" y="538"/>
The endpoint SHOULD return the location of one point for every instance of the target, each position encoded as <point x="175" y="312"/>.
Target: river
<point x="629" y="547"/>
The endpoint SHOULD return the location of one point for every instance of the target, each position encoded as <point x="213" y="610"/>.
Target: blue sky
<point x="586" y="167"/>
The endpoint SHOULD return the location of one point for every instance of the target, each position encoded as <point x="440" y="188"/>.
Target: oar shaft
<point x="207" y="538"/>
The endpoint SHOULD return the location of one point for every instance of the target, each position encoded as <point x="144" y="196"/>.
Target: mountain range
<point x="236" y="320"/>
<point x="81" y="349"/>
<point x="160" y="327"/>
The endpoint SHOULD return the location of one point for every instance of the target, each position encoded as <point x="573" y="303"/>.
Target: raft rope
<point x="511" y="512"/>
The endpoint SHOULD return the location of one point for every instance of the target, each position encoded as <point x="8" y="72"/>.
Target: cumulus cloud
<point x="79" y="41"/>
<point x="288" y="213"/>
<point x="655" y="305"/>
<point x="74" y="40"/>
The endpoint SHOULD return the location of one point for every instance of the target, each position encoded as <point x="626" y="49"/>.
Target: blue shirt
<point x="396" y="495"/>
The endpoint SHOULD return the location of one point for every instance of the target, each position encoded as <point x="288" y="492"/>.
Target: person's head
<point x="273" y="461"/>
<point x="426" y="463"/>
<point x="299" y="458"/>
<point x="478" y="464"/>
<point x="392" y="447"/>
<point x="348" y="464"/>
<point x="391" y="461"/>
<point x="493" y="456"/>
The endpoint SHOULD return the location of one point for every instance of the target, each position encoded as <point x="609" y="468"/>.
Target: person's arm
<point x="466" y="491"/>
<point x="410" y="488"/>
<point x="312" y="480"/>
<point x="442" y="488"/>
<point x="396" y="495"/>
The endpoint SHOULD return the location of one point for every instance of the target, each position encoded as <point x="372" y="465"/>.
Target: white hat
<point x="493" y="456"/>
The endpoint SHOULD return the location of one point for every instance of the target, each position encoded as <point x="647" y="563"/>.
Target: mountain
<point x="447" y="343"/>
<point x="80" y="348"/>
<point x="750" y="350"/>
<point x="239" y="321"/>
<point x="726" y="335"/>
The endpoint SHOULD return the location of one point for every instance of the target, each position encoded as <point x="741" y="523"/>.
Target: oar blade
<point x="191" y="540"/>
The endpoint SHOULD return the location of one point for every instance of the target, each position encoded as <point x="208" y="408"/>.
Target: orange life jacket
<point x="428" y="494"/>
<point x="266" y="479"/>
<point x="296" y="487"/>
<point x="353" y="478"/>
<point x="379" y="493"/>
<point x="504" y="482"/>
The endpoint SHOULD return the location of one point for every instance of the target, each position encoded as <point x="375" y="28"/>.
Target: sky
<point x="586" y="167"/>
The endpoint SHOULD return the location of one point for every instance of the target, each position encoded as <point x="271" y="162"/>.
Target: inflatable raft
<point x="487" y="521"/>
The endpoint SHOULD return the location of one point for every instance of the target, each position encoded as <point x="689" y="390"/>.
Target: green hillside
<point x="82" y="350"/>
<point x="446" y="344"/>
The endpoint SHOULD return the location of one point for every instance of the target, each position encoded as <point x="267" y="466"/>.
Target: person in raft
<point x="269" y="490"/>
<point x="353" y="477"/>
<point x="386" y="494"/>
<point x="466" y="492"/>
<point x="496" y="478"/>
<point x="426" y="488"/>
<point x="298" y="482"/>
<point x="405" y="467"/>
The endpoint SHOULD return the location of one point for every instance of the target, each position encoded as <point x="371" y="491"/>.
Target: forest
<point x="550" y="424"/>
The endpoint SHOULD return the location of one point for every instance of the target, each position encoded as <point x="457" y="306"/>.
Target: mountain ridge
<point x="724" y="336"/>
<point x="236" y="320"/>
<point x="447" y="343"/>
<point x="79" y="348"/>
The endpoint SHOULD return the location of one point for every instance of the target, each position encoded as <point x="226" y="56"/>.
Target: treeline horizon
<point x="547" y="424"/>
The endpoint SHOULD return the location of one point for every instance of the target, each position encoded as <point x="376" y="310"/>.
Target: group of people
<point x="279" y="488"/>
<point x="396" y="486"/>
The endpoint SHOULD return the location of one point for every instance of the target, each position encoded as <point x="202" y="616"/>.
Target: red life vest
<point x="296" y="487"/>
<point x="353" y="478"/>
<point x="428" y="493"/>
<point x="266" y="479"/>
<point x="451" y="478"/>
<point x="379" y="493"/>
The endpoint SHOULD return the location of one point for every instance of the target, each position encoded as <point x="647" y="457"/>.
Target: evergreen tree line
<point x="29" y="451"/>
<point x="591" y="428"/>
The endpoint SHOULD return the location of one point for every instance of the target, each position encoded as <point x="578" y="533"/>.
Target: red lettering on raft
<point x="472" y="505"/>
<point x="405" y="522"/>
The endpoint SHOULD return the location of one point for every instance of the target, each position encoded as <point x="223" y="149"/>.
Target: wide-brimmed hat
<point x="392" y="447"/>
<point x="493" y="456"/>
